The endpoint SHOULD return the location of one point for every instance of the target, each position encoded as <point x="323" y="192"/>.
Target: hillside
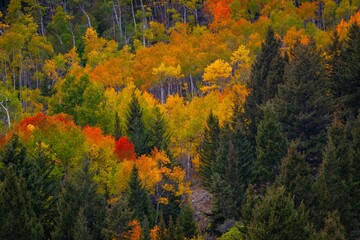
<point x="171" y="120"/>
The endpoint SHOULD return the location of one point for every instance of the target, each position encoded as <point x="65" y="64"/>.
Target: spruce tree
<point x="333" y="228"/>
<point x="208" y="149"/>
<point x="265" y="73"/>
<point x="270" y="148"/>
<point x="159" y="136"/>
<point x="135" y="128"/>
<point x="187" y="221"/>
<point x="295" y="176"/>
<point x="138" y="199"/>
<point x="303" y="103"/>
<point x="347" y="76"/>
<point x="80" y="192"/>
<point x="334" y="184"/>
<point x="276" y="217"/>
<point x="17" y="219"/>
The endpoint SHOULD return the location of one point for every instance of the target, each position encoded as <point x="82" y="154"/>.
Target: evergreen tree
<point x="295" y="176"/>
<point x="266" y="72"/>
<point x="136" y="129"/>
<point x="252" y="198"/>
<point x="17" y="219"/>
<point x="333" y="228"/>
<point x="80" y="192"/>
<point x="270" y="148"/>
<point x="138" y="198"/>
<point x="117" y="127"/>
<point x="303" y="103"/>
<point x="159" y="135"/>
<point x="347" y="72"/>
<point x="81" y="231"/>
<point x="208" y="149"/>
<point x="187" y="221"/>
<point x="276" y="217"/>
<point x="334" y="184"/>
<point x="118" y="215"/>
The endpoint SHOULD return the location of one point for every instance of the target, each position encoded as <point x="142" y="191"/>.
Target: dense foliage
<point x="133" y="119"/>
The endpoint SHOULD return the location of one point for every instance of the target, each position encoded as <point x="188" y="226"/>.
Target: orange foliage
<point x="219" y="9"/>
<point x="95" y="136"/>
<point x="154" y="233"/>
<point x="307" y="10"/>
<point x="134" y="233"/>
<point x="124" y="149"/>
<point x="342" y="27"/>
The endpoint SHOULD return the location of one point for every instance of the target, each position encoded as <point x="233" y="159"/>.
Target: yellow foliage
<point x="216" y="71"/>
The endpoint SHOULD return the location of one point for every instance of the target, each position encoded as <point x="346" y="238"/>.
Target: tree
<point x="159" y="136"/>
<point x="135" y="128"/>
<point x="270" y="148"/>
<point x="17" y="219"/>
<point x="138" y="199"/>
<point x="186" y="221"/>
<point x="209" y="148"/>
<point x="302" y="101"/>
<point x="348" y="73"/>
<point x="265" y="73"/>
<point x="295" y="176"/>
<point x="333" y="228"/>
<point x="276" y="217"/>
<point x="81" y="208"/>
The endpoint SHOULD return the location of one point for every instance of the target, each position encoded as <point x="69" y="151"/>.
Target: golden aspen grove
<point x="180" y="119"/>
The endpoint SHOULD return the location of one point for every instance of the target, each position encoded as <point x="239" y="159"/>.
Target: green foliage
<point x="81" y="208"/>
<point x="266" y="73"/>
<point x="295" y="176"/>
<point x="135" y="128"/>
<point x="276" y="217"/>
<point x="333" y="228"/>
<point x="270" y="148"/>
<point x="138" y="199"/>
<point x="302" y="102"/>
<point x="117" y="127"/>
<point x="209" y="148"/>
<point x="236" y="232"/>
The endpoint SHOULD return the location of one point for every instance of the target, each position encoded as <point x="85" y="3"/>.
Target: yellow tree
<point x="216" y="75"/>
<point x="241" y="62"/>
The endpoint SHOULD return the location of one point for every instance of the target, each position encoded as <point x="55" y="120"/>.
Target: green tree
<point x="209" y="148"/>
<point x="334" y="183"/>
<point x="117" y="127"/>
<point x="159" y="136"/>
<point x="295" y="176"/>
<point x="80" y="204"/>
<point x="276" y="217"/>
<point x="270" y="148"/>
<point x="303" y="103"/>
<point x="333" y="228"/>
<point x="17" y="219"/>
<point x="264" y="73"/>
<point x="135" y="128"/>
<point x="348" y="73"/>
<point x="138" y="199"/>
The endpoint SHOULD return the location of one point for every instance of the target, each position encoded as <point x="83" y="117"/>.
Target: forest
<point x="180" y="119"/>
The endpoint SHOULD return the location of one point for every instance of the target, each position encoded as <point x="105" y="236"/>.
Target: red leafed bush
<point x="124" y="149"/>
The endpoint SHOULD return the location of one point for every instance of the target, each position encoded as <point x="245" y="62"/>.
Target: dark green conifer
<point x="276" y="217"/>
<point x="209" y="148"/>
<point x="333" y="228"/>
<point x="135" y="128"/>
<point x="295" y="176"/>
<point x="117" y="127"/>
<point x="303" y="103"/>
<point x="271" y="147"/>
<point x="159" y="135"/>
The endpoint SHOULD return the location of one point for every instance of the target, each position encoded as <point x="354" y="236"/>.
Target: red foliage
<point x="124" y="149"/>
<point x="219" y="9"/>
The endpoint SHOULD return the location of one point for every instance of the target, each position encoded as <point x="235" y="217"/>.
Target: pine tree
<point x="160" y="138"/>
<point x="208" y="149"/>
<point x="334" y="183"/>
<point x="117" y="127"/>
<point x="333" y="228"/>
<point x="80" y="192"/>
<point x="265" y="73"/>
<point x="187" y="221"/>
<point x="138" y="198"/>
<point x="303" y="103"/>
<point x="348" y="73"/>
<point x="276" y="217"/>
<point x="270" y="148"/>
<point x="295" y="176"/>
<point x="136" y="129"/>
<point x="81" y="231"/>
<point x="17" y="219"/>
